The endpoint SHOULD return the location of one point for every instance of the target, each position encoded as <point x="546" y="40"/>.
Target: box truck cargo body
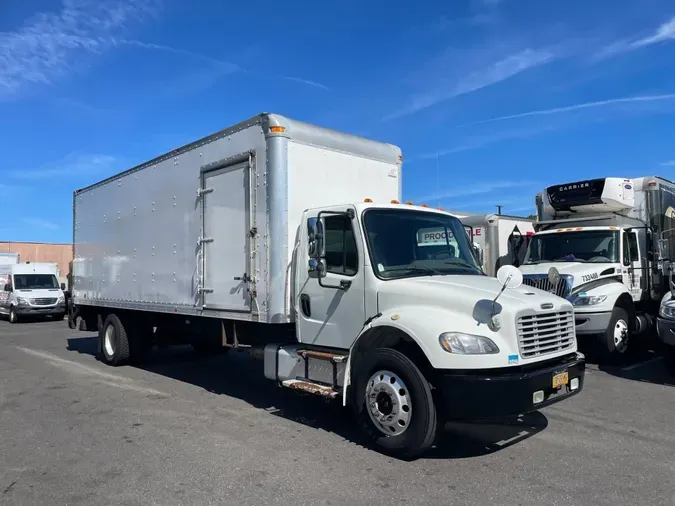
<point x="498" y="239"/>
<point x="209" y="229"/>
<point x="288" y="240"/>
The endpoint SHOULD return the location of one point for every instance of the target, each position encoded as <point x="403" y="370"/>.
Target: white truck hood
<point x="41" y="293"/>
<point x="461" y="293"/>
<point x="432" y="305"/>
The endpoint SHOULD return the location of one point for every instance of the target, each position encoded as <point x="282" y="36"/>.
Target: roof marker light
<point x="367" y="200"/>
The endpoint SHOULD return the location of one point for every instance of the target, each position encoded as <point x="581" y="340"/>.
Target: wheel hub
<point x="388" y="403"/>
<point x="108" y="340"/>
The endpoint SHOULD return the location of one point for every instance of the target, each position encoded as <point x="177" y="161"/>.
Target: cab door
<point x="632" y="265"/>
<point x="330" y="308"/>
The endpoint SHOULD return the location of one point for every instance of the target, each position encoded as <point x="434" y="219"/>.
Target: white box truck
<point x="31" y="289"/>
<point x="287" y="239"/>
<point x="497" y="238"/>
<point x="604" y="236"/>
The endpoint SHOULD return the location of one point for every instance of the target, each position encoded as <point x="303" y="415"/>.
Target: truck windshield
<point x="407" y="243"/>
<point x="35" y="281"/>
<point x="579" y="246"/>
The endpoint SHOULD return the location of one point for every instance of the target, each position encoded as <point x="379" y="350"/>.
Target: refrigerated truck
<point x="287" y="239"/>
<point x="605" y="237"/>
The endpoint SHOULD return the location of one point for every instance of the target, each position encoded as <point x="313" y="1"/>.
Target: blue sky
<point x="490" y="100"/>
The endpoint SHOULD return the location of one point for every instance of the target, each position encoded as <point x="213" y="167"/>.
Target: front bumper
<point x="59" y="309"/>
<point x="592" y="323"/>
<point x="509" y="391"/>
<point x="666" y="331"/>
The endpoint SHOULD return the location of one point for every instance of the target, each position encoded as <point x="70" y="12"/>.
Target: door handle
<point x="305" y="305"/>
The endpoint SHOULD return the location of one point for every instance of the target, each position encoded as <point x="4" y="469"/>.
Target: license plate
<point x="560" y="379"/>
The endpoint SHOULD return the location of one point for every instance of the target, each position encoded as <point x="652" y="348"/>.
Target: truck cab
<point x="600" y="235"/>
<point x="32" y="290"/>
<point x="373" y="276"/>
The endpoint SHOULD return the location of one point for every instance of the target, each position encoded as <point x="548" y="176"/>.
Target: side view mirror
<point x="63" y="287"/>
<point x="663" y="248"/>
<point x="7" y="288"/>
<point x="317" y="245"/>
<point x="478" y="253"/>
<point x="553" y="276"/>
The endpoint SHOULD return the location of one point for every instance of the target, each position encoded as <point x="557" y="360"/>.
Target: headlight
<point x="467" y="344"/>
<point x="22" y="301"/>
<point x="667" y="308"/>
<point x="61" y="299"/>
<point x="587" y="300"/>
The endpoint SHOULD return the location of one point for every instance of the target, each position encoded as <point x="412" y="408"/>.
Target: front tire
<point x="615" y="342"/>
<point x="13" y="316"/>
<point x="394" y="404"/>
<point x="115" y="349"/>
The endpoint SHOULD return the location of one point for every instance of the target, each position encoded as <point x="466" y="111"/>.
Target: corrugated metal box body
<point x="173" y="234"/>
<point x="61" y="254"/>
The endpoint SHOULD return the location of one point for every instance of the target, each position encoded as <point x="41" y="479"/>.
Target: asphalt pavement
<point x="190" y="430"/>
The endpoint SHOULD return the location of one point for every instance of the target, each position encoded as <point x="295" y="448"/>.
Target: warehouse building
<point x="62" y="254"/>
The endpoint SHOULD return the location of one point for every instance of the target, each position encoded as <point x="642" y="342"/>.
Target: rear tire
<point x="394" y="405"/>
<point x="615" y="343"/>
<point x="115" y="349"/>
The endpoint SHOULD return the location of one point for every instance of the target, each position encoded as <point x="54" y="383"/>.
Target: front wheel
<point x="615" y="341"/>
<point x="669" y="359"/>
<point x="13" y="316"/>
<point x="394" y="405"/>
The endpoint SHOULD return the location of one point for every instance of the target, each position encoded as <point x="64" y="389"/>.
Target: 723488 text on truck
<point x="287" y="239"/>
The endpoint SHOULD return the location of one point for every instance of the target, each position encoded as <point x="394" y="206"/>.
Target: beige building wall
<point x="62" y="254"/>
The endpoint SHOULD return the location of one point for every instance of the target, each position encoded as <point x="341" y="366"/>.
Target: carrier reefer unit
<point x="603" y="235"/>
<point x="287" y="239"/>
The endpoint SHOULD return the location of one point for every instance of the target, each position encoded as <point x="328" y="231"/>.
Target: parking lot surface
<point x="189" y="430"/>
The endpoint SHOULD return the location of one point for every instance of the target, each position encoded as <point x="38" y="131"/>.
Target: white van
<point x="32" y="290"/>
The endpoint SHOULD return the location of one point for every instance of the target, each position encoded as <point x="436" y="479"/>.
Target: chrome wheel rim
<point x="620" y="336"/>
<point x="388" y="403"/>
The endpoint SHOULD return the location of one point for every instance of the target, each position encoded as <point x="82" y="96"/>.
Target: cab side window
<point x="341" y="253"/>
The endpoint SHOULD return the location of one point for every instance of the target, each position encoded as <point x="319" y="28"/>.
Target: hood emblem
<point x="547" y="305"/>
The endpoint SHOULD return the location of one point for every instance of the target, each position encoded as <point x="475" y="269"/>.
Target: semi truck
<point x="606" y="238"/>
<point x="289" y="241"/>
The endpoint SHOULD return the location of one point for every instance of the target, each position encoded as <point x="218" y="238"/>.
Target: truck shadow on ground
<point x="644" y="363"/>
<point x="237" y="375"/>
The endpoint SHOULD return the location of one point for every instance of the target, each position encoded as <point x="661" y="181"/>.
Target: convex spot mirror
<point x="553" y="276"/>
<point x="509" y="276"/>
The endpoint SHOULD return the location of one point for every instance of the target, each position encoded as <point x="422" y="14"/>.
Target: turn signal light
<point x="277" y="129"/>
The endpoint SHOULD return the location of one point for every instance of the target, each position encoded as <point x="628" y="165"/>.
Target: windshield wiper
<point x="416" y="268"/>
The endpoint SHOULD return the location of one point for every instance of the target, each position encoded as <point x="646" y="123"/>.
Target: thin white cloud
<point x="670" y="163"/>
<point x="308" y="82"/>
<point x="460" y="190"/>
<point x="664" y="33"/>
<point x="478" y="142"/>
<point x="225" y="65"/>
<point x="50" y="44"/>
<point x="496" y="72"/>
<point x="584" y="105"/>
<point x="40" y="223"/>
<point x="71" y="165"/>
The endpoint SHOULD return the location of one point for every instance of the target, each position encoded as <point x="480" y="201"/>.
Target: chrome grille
<point x="540" y="281"/>
<point x="42" y="302"/>
<point x="543" y="333"/>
